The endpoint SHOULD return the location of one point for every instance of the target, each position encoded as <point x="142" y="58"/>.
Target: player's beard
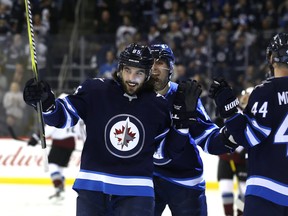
<point x="132" y="90"/>
<point x="146" y="86"/>
<point x="159" y="84"/>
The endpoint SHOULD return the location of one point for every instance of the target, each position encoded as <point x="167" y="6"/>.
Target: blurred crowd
<point x="15" y="56"/>
<point x="209" y="38"/>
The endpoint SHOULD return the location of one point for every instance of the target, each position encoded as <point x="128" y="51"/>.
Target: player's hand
<point x="185" y="103"/>
<point x="224" y="97"/>
<point x="35" y="92"/>
<point x="228" y="139"/>
<point x="33" y="140"/>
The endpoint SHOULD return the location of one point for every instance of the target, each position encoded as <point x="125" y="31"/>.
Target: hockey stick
<point x="35" y="71"/>
<point x="239" y="202"/>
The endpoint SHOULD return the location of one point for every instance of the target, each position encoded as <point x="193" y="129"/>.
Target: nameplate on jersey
<point x="282" y="98"/>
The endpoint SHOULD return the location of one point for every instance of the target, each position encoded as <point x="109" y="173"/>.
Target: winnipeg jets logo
<point x="124" y="136"/>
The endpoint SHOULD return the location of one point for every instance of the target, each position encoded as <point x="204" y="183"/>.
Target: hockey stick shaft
<point x="35" y="71"/>
<point x="239" y="202"/>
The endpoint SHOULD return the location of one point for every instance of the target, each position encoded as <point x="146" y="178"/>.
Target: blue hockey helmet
<point x="136" y="55"/>
<point x="163" y="52"/>
<point x="278" y="48"/>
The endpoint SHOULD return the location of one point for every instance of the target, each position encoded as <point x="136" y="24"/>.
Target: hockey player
<point x="125" y="120"/>
<point x="63" y="145"/>
<point x="262" y="129"/>
<point x="180" y="183"/>
<point x="232" y="165"/>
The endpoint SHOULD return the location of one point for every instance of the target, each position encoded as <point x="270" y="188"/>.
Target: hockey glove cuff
<point x="185" y="103"/>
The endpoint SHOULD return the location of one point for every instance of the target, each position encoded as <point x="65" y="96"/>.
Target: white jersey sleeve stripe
<point x="162" y="134"/>
<point x="68" y="118"/>
<point x="189" y="182"/>
<point x="265" y="131"/>
<point x="250" y="136"/>
<point x="203" y="136"/>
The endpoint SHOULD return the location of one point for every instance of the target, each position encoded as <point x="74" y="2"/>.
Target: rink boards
<point x="23" y="164"/>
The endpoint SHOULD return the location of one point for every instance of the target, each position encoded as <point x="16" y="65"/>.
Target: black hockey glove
<point x="224" y="97"/>
<point x="34" y="139"/>
<point x="39" y="91"/>
<point x="185" y="103"/>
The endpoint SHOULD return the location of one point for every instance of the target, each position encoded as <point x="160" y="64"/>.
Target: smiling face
<point x="160" y="74"/>
<point x="132" y="79"/>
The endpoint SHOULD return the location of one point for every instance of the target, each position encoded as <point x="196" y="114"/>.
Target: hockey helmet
<point x="278" y="46"/>
<point x="136" y="55"/>
<point x="163" y="52"/>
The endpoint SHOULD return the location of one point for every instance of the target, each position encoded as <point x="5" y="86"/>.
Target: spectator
<point x="179" y="73"/>
<point x="5" y="27"/>
<point x="109" y="67"/>
<point x="282" y="12"/>
<point x="238" y="60"/>
<point x="14" y="106"/>
<point x="221" y="58"/>
<point x="15" y="53"/>
<point x="125" y="32"/>
<point x="175" y="35"/>
<point x="186" y="24"/>
<point x="41" y="25"/>
<point x="18" y="16"/>
<point x="154" y="35"/>
<point x="50" y="14"/>
<point x="163" y="23"/>
<point x="105" y="25"/>
<point x="174" y="12"/>
<point x="200" y="23"/>
<point x="198" y="61"/>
